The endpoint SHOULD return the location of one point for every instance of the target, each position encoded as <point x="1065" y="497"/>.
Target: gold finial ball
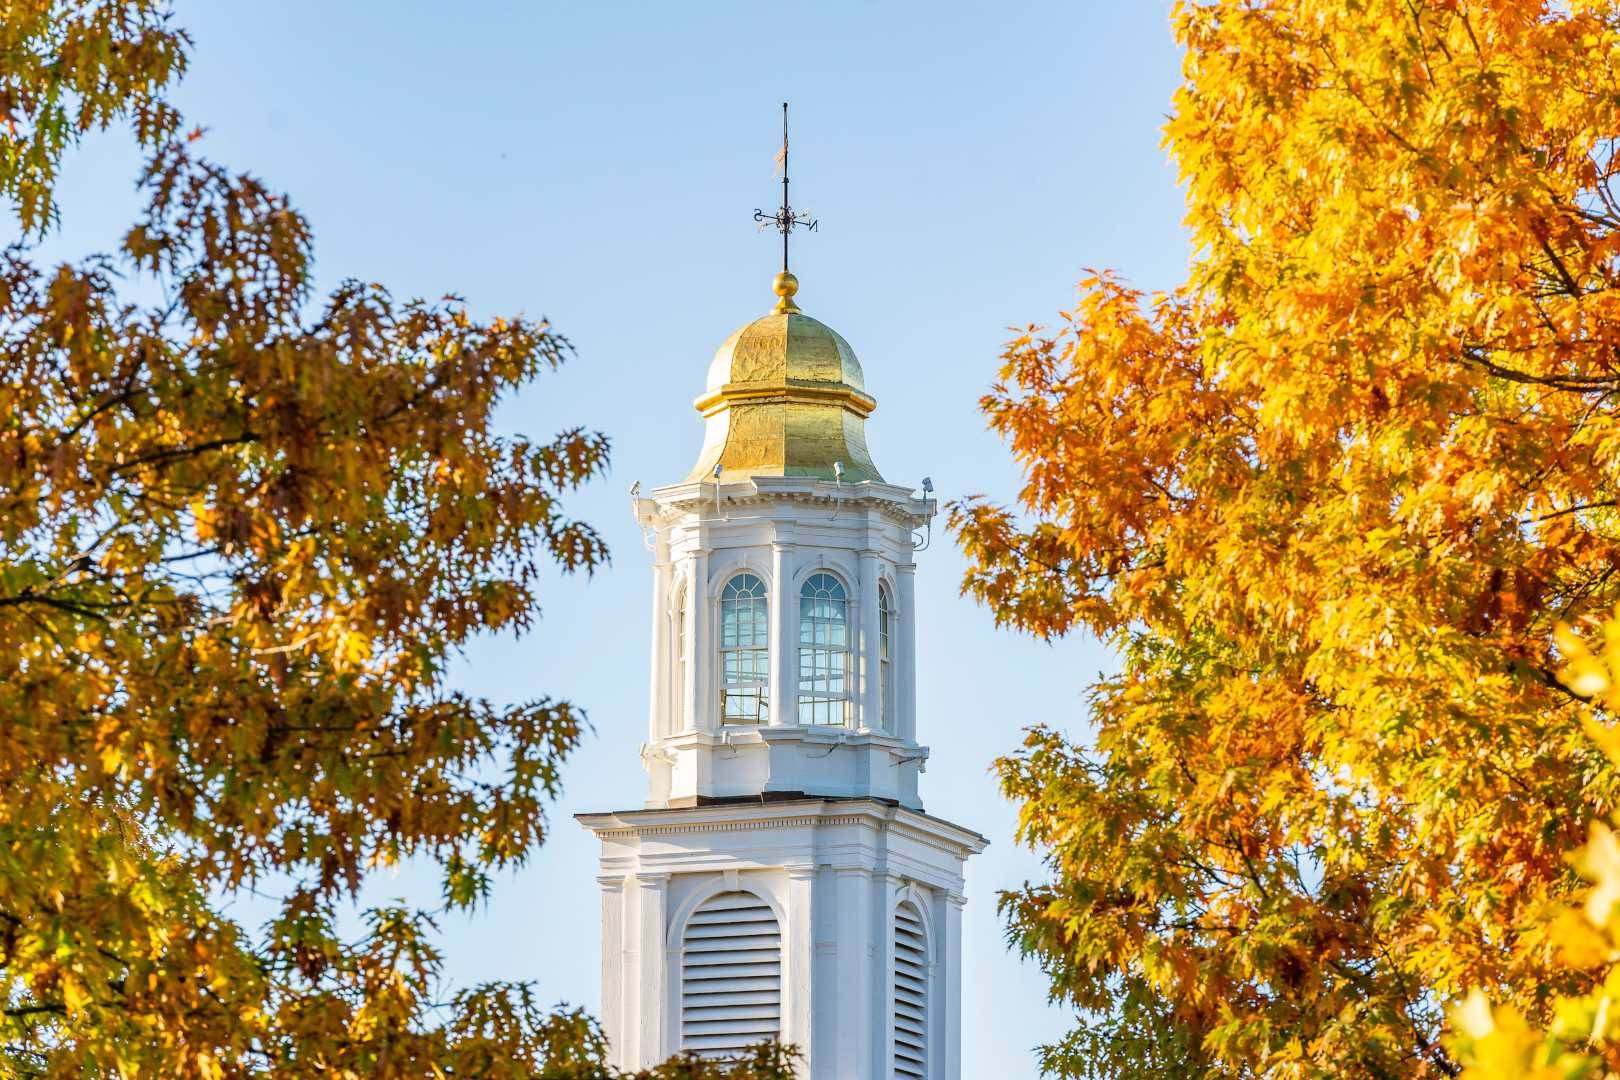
<point x="785" y="286"/>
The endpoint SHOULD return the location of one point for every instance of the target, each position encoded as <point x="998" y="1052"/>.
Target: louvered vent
<point x="910" y="994"/>
<point x="731" y="976"/>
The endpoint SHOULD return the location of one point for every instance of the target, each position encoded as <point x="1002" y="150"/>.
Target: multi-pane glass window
<point x="823" y="651"/>
<point x="885" y="669"/>
<point x="744" y="651"/>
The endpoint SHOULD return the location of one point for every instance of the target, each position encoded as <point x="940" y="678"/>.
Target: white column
<point x="679" y="622"/>
<point x="686" y="678"/>
<point x="945" y="1025"/>
<point x="798" y="964"/>
<point x="648" y="934"/>
<point x="614" y="957"/>
<point x="905" y="664"/>
<point x="871" y="710"/>
<point x="700" y="703"/>
<point x="855" y="984"/>
<point x="660" y="698"/>
<point x="784" y="645"/>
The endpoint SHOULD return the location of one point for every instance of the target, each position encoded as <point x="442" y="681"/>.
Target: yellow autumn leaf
<point x="1344" y="499"/>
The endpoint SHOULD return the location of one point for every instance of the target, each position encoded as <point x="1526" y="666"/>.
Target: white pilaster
<point x="658" y="708"/>
<point x="871" y="710"/>
<point x="854" y="1008"/>
<point x="798" y="964"/>
<point x="650" y="972"/>
<point x="784" y="646"/>
<point x="945" y="1031"/>
<point x="614" y="968"/>
<point x="905" y="696"/>
<point x="702" y="711"/>
<point x="686" y="678"/>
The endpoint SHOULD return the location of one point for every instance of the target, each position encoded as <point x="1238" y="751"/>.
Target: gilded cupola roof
<point x="785" y="397"/>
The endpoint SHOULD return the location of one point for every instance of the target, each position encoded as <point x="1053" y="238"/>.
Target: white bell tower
<point x="782" y="881"/>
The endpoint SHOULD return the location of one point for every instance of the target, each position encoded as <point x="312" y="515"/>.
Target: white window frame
<point x="757" y="649"/>
<point x="829" y="660"/>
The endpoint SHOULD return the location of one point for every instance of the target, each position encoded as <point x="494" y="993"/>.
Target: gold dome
<point x="785" y="397"/>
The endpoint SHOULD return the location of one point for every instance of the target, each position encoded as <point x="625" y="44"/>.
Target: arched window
<point x="885" y="667"/>
<point x="823" y="651"/>
<point x="910" y="994"/>
<point x="731" y="976"/>
<point x="744" y="651"/>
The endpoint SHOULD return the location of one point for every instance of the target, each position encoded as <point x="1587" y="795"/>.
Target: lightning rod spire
<point x="786" y="219"/>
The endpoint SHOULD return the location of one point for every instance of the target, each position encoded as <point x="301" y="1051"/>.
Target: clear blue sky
<point x="599" y="164"/>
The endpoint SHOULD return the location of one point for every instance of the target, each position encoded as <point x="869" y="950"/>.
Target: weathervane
<point x="786" y="219"/>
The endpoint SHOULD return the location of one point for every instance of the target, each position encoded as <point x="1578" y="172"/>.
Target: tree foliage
<point x="243" y="529"/>
<point x="1582" y="1039"/>
<point x="1330" y="498"/>
<point x="68" y="67"/>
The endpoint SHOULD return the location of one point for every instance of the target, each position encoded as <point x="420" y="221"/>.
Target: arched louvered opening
<point x="910" y="994"/>
<point x="731" y="976"/>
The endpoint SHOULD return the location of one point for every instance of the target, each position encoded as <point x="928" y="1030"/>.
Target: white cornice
<point x="788" y="814"/>
<point x="896" y="502"/>
<point x="811" y="734"/>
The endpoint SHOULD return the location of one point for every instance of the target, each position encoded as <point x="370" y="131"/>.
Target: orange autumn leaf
<point x="1330" y="498"/>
